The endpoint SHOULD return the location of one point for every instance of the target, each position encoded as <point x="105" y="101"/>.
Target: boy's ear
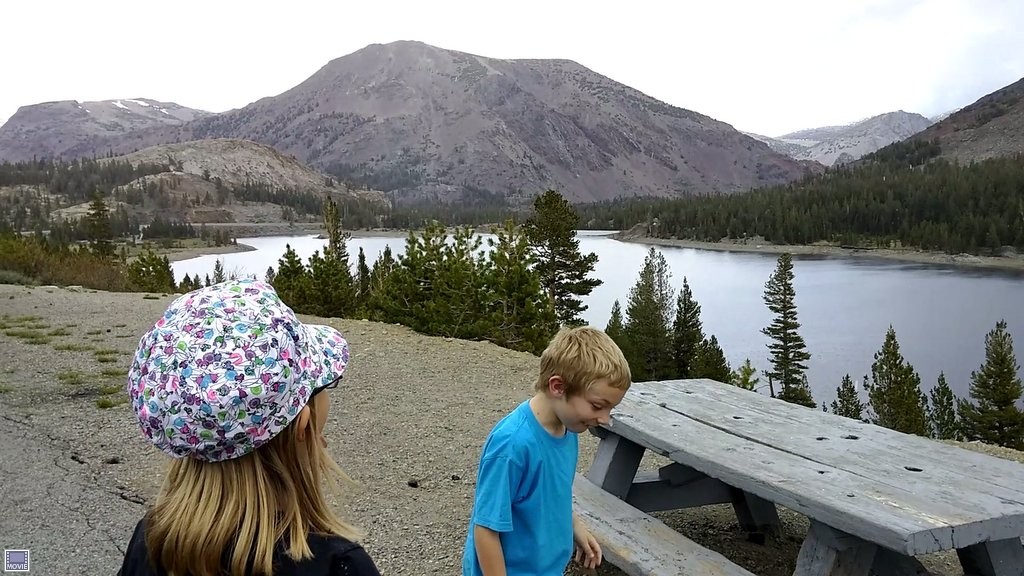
<point x="556" y="385"/>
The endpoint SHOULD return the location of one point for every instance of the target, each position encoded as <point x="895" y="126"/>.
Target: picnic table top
<point x="911" y="494"/>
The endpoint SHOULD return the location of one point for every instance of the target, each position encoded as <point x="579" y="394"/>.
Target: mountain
<point x="831" y="145"/>
<point x="429" y="123"/>
<point x="53" y="128"/>
<point x="790" y="149"/>
<point x="990" y="127"/>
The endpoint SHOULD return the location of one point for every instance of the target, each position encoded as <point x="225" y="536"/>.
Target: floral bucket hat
<point x="226" y="368"/>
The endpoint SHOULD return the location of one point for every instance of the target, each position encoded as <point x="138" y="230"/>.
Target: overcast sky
<point x="769" y="67"/>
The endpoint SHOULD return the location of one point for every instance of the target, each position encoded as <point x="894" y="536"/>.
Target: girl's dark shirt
<point x="332" y="556"/>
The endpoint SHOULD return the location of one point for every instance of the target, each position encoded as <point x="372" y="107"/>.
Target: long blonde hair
<point x="238" y="510"/>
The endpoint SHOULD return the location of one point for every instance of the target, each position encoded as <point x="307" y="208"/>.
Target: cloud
<point x="767" y="67"/>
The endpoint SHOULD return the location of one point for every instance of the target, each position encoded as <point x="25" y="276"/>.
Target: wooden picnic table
<point x="875" y="497"/>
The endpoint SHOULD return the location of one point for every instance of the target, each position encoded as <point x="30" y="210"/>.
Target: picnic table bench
<point x="875" y="498"/>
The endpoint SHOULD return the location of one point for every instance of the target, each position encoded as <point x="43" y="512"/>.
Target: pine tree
<point x="848" y="402"/>
<point x="218" y="271"/>
<point x="563" y="270"/>
<point x="710" y="362"/>
<point x="97" y="221"/>
<point x="363" y="275"/>
<point x="744" y="377"/>
<point x="616" y="330"/>
<point x="521" y="315"/>
<point x="333" y="290"/>
<point x="687" y="333"/>
<point x="614" y="327"/>
<point x="992" y="415"/>
<point x="788" y="350"/>
<point x="895" y="392"/>
<point x="379" y="289"/>
<point x="292" y="280"/>
<point x="646" y="327"/>
<point x="942" y="413"/>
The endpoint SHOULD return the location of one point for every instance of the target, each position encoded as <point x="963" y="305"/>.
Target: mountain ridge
<point x="426" y="122"/>
<point x="841" y="144"/>
<point x="991" y="126"/>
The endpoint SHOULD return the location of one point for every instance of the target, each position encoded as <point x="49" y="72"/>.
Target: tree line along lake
<point x="940" y="313"/>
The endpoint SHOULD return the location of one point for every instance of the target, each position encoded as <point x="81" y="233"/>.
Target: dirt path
<point x="407" y="425"/>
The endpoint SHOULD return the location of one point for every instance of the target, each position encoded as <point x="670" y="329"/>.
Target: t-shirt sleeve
<point x="354" y="562"/>
<point x="498" y="481"/>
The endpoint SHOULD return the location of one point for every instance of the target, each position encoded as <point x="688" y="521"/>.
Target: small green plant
<point x="29" y="336"/>
<point x="110" y="389"/>
<point x="59" y="332"/>
<point x="4" y="388"/>
<point x="114" y="373"/>
<point x="72" y="347"/>
<point x="94" y="332"/>
<point x="72" y="377"/>
<point x="105" y="403"/>
<point x="149" y="297"/>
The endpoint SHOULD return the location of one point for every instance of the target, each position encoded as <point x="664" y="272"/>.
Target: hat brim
<point x="328" y="352"/>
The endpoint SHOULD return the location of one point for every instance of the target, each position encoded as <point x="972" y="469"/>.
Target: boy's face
<point x="588" y="408"/>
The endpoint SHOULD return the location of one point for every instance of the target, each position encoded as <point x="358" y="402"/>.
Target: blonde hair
<point x="581" y="356"/>
<point x="236" y="511"/>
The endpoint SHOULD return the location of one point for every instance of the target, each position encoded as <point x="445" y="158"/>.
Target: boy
<point x="522" y="521"/>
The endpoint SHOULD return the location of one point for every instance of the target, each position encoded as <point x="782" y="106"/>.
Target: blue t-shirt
<point x="524" y="492"/>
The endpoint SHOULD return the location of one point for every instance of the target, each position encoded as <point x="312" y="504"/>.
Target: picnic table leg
<point x="829" y="552"/>
<point x="615" y="463"/>
<point x="993" y="558"/>
<point x="755" y="514"/>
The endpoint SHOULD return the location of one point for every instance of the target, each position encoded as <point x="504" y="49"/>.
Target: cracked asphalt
<point x="50" y="506"/>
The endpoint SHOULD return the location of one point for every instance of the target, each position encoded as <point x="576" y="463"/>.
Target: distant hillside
<point x="993" y="126"/>
<point x="52" y="129"/>
<point x="430" y="123"/>
<point x="209" y="181"/>
<point x="831" y="145"/>
<point x="791" y="149"/>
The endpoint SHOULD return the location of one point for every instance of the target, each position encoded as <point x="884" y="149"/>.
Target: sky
<point x="768" y="67"/>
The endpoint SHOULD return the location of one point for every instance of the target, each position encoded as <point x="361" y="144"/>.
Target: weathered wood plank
<point x="831" y="495"/>
<point x="877" y="449"/>
<point x="615" y="464"/>
<point x="650" y="493"/>
<point x="826" y="552"/>
<point x="755" y="514"/>
<point x="997" y="558"/>
<point x="641" y="545"/>
<point x="726" y="410"/>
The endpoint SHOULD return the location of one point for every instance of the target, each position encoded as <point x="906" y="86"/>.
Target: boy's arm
<point x="488" y="551"/>
<point x="498" y="482"/>
<point x="588" y="550"/>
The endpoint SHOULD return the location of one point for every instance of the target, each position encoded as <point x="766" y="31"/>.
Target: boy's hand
<point x="588" y="551"/>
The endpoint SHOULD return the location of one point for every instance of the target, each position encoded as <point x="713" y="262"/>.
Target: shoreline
<point x="178" y="254"/>
<point x="1009" y="264"/>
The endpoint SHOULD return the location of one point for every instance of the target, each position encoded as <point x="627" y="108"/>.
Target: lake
<point x="845" y="305"/>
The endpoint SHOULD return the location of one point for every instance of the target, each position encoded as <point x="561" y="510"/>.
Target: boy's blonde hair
<point x="237" y="510"/>
<point x="581" y="356"/>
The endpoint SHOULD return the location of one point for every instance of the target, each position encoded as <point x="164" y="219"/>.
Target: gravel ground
<point x="407" y="426"/>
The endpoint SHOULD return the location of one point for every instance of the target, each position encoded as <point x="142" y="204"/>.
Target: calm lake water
<point x="845" y="305"/>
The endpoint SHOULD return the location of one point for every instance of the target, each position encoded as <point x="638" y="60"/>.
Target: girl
<point x="232" y="386"/>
